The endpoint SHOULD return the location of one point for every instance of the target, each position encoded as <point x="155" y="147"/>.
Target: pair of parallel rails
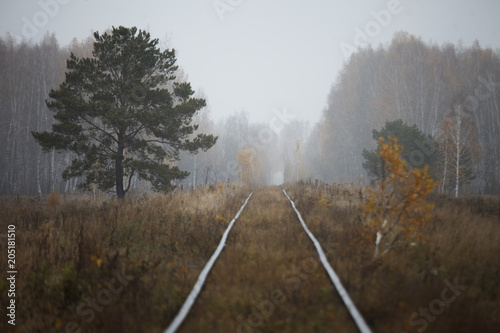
<point x="353" y="311"/>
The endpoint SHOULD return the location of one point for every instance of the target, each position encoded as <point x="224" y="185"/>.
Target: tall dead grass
<point x="462" y="242"/>
<point x="268" y="278"/>
<point x="72" y="252"/>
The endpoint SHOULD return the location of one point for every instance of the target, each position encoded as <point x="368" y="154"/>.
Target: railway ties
<point x="269" y="277"/>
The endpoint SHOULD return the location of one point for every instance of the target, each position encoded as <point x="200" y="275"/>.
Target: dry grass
<point x="54" y="199"/>
<point x="268" y="254"/>
<point x="69" y="253"/>
<point x="268" y="278"/>
<point x="462" y="243"/>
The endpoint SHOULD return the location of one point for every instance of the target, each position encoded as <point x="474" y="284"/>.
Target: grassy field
<point x="127" y="266"/>
<point x="409" y="288"/>
<point x="110" y="266"/>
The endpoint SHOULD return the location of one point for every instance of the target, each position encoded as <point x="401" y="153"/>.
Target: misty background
<point x="262" y="54"/>
<point x="279" y="78"/>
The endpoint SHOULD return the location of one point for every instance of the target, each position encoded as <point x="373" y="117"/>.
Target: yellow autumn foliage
<point x="396" y="208"/>
<point x="249" y="165"/>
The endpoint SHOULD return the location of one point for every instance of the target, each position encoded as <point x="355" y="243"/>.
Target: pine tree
<point x="116" y="114"/>
<point x="418" y="149"/>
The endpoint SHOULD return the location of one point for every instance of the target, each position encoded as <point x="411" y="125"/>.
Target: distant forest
<point x="451" y="93"/>
<point x="422" y="84"/>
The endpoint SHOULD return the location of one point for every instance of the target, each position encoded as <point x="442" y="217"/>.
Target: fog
<point x="259" y="55"/>
<point x="298" y="85"/>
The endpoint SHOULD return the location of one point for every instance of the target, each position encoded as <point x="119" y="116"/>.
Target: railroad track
<point x="203" y="276"/>
<point x="246" y="324"/>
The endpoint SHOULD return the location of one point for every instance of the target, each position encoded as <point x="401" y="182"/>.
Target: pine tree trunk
<point x="38" y="185"/>
<point x="194" y="172"/>
<point x="120" y="192"/>
<point x="53" y="175"/>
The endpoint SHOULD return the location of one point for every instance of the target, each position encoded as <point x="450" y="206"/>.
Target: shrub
<point x="396" y="208"/>
<point x="54" y="199"/>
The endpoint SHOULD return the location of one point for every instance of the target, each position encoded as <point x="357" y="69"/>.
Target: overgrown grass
<point x="110" y="266"/>
<point x="268" y="278"/>
<point x="462" y="243"/>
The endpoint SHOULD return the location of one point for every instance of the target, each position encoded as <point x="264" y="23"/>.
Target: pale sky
<point x="260" y="55"/>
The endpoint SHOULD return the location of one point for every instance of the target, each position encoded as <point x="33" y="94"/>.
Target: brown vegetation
<point x="461" y="243"/>
<point x="267" y="278"/>
<point x="137" y="259"/>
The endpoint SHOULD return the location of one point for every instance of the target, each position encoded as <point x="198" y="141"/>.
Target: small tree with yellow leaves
<point x="248" y="161"/>
<point x="396" y="208"/>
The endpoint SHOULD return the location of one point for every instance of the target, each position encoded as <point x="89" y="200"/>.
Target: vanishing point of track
<point x="356" y="316"/>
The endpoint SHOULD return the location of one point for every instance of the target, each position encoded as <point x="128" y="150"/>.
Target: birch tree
<point x="460" y="150"/>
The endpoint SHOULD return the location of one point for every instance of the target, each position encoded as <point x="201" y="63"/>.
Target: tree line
<point x="449" y="92"/>
<point x="441" y="101"/>
<point x="29" y="72"/>
<point x="66" y="122"/>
